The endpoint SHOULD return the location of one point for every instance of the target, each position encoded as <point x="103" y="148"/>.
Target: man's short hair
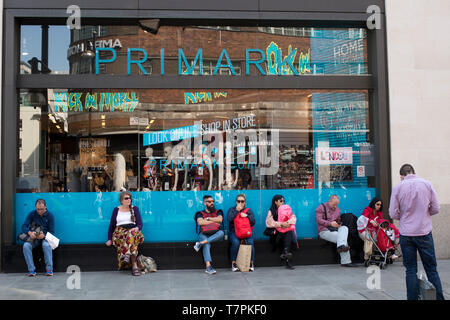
<point x="40" y="201"/>
<point x="406" y="169"/>
<point x="206" y="197"/>
<point x="334" y="196"/>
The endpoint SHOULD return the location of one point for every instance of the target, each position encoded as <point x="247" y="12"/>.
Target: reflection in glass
<point x="184" y="140"/>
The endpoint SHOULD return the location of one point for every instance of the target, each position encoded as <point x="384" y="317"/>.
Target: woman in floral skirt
<point x="125" y="233"/>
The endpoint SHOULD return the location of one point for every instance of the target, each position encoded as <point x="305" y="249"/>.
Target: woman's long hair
<point x="375" y="200"/>
<point x="122" y="195"/>
<point x="274" y="208"/>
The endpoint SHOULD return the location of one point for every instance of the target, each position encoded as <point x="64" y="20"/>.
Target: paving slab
<point x="321" y="282"/>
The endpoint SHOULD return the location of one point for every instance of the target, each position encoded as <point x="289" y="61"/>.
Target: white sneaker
<point x="197" y="246"/>
<point x="252" y="267"/>
<point x="234" y="267"/>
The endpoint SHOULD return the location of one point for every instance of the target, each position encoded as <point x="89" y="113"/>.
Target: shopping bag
<point x="52" y="240"/>
<point x="427" y="291"/>
<point x="243" y="257"/>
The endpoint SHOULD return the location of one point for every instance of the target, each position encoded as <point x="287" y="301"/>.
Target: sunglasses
<point x="240" y="201"/>
<point x="127" y="198"/>
<point x="281" y="200"/>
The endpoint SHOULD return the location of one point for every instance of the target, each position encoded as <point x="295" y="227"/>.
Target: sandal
<point x="136" y="272"/>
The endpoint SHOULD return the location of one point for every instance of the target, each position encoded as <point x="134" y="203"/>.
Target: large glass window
<point x="79" y="147"/>
<point x="172" y="146"/>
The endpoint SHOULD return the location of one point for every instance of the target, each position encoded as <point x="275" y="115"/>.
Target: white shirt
<point x="123" y="217"/>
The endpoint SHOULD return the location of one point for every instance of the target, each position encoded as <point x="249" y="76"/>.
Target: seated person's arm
<point x="251" y="217"/>
<point x="26" y="224"/>
<point x="217" y="219"/>
<point x="320" y="217"/>
<point x="270" y="223"/>
<point x="203" y="222"/>
<point x="292" y="220"/>
<point x="51" y="224"/>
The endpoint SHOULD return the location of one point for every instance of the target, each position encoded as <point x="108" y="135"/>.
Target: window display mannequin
<point x="119" y="172"/>
<point x="180" y="157"/>
<point x="202" y="171"/>
<point x="230" y="180"/>
<point x="167" y="172"/>
<point x="150" y="171"/>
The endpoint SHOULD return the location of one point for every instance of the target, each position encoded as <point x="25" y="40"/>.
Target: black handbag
<point x="270" y="232"/>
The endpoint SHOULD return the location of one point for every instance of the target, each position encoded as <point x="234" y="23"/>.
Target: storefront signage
<point x="176" y="134"/>
<point x="81" y="47"/>
<point x="171" y="135"/>
<point x="136" y="121"/>
<point x="334" y="156"/>
<point x="98" y="101"/>
<point x="198" y="97"/>
<point x="244" y="122"/>
<point x="277" y="62"/>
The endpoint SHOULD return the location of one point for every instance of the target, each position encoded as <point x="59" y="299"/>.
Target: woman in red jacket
<point x="374" y="213"/>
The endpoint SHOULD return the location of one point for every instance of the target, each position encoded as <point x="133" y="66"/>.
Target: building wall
<point x="419" y="79"/>
<point x="1" y="98"/>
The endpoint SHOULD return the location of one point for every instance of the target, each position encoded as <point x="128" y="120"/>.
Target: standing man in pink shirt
<point x="413" y="202"/>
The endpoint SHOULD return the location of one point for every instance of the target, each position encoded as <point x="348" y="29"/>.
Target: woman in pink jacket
<point x="283" y="230"/>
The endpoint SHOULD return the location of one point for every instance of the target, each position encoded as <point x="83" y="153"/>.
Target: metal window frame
<point x="323" y="13"/>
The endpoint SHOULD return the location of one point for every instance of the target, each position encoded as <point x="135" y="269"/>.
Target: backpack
<point x="350" y="221"/>
<point x="211" y="228"/>
<point x="242" y="227"/>
<point x="284" y="214"/>
<point x="354" y="241"/>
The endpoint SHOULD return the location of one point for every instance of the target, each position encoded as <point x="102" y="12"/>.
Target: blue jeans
<point x="28" y="253"/>
<point x="425" y="246"/>
<point x="207" y="247"/>
<point x="235" y="242"/>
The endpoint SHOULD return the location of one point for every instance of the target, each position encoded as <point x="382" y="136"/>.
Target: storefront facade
<point x="172" y="103"/>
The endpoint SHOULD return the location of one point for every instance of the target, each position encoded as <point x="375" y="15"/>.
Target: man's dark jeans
<point x="425" y="246"/>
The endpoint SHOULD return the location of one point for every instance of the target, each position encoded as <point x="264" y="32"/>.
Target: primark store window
<point x="170" y="147"/>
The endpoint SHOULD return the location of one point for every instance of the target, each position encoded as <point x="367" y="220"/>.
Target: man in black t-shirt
<point x="209" y="221"/>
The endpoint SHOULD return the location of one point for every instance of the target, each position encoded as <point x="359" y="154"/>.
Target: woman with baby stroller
<point x="380" y="244"/>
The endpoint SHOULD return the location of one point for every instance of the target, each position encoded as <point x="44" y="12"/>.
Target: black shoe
<point x="349" y="265"/>
<point x="289" y="265"/>
<point x="286" y="255"/>
<point x="343" y="249"/>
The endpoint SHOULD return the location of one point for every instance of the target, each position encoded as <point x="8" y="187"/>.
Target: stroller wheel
<point x="366" y="263"/>
<point x="383" y="266"/>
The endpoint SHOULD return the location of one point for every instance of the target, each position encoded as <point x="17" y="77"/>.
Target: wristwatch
<point x="207" y="218"/>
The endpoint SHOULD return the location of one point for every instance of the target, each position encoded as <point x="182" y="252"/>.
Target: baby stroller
<point x="379" y="247"/>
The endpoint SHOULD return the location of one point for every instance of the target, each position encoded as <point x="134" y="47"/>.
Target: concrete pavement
<point x="320" y="282"/>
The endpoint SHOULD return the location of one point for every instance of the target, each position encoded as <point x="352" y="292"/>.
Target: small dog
<point x="146" y="264"/>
